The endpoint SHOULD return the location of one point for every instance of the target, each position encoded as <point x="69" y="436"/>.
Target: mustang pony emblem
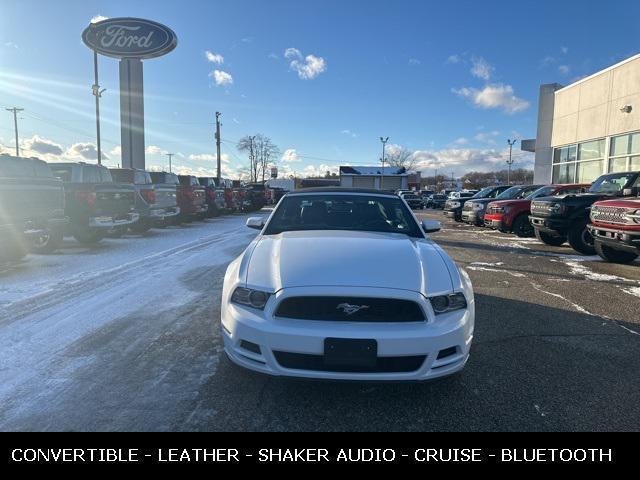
<point x="351" y="309"/>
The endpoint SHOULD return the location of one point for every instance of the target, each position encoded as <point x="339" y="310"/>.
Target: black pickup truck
<point x="562" y="218"/>
<point x="94" y="203"/>
<point x="31" y="207"/>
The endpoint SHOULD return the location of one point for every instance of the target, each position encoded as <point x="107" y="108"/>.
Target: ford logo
<point x="129" y="38"/>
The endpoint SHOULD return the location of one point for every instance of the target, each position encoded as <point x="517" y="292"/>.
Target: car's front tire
<point x="612" y="255"/>
<point x="548" y="239"/>
<point x="581" y="239"/>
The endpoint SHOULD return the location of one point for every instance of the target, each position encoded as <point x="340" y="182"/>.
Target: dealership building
<point x="590" y="127"/>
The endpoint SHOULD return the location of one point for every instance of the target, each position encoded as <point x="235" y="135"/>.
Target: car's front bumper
<point x="550" y="225"/>
<point x="473" y="216"/>
<point x="305" y="338"/>
<point x="618" y="239"/>
<point x="108" y="222"/>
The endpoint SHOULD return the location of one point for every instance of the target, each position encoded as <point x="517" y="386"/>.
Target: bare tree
<point x="261" y="151"/>
<point x="400" y="157"/>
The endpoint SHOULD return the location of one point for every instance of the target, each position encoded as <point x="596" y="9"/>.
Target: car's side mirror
<point x="430" y="226"/>
<point x="255" y="222"/>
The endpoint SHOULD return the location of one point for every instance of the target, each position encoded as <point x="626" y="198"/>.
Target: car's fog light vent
<point x="250" y="347"/>
<point x="447" y="352"/>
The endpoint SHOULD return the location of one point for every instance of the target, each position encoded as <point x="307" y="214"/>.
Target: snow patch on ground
<point x="497" y="270"/>
<point x="557" y="295"/>
<point x="485" y="264"/>
<point x="577" y="268"/>
<point x="635" y="291"/>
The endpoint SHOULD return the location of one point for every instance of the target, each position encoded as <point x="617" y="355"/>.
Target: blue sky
<point x="450" y="81"/>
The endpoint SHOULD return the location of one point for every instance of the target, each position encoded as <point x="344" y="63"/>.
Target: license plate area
<point x="350" y="352"/>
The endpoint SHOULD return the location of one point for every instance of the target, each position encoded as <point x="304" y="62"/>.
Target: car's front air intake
<point x="350" y="309"/>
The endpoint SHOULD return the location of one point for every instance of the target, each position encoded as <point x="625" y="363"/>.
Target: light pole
<point x="384" y="143"/>
<point x="97" y="93"/>
<point x="169" y="155"/>
<point x="510" y="161"/>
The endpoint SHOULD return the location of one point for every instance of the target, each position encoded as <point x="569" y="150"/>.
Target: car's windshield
<point x="343" y="212"/>
<point x="541" y="192"/>
<point x="612" y="183"/>
<point x="483" y="193"/>
<point x="509" y="193"/>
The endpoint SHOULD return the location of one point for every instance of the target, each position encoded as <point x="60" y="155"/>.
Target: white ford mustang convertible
<point x="344" y="284"/>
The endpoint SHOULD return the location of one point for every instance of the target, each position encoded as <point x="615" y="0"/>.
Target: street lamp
<point x="384" y="142"/>
<point x="510" y="161"/>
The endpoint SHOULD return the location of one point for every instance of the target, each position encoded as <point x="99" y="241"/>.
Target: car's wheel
<point x="522" y="226"/>
<point x="549" y="239"/>
<point x="48" y="242"/>
<point x="581" y="239"/>
<point x="87" y="235"/>
<point x="140" y="228"/>
<point x="612" y="255"/>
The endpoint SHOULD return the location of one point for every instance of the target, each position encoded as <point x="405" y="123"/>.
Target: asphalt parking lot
<point x="90" y="341"/>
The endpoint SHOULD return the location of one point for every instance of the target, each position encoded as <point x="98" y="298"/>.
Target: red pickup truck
<point x="615" y="227"/>
<point x="192" y="198"/>
<point x="512" y="216"/>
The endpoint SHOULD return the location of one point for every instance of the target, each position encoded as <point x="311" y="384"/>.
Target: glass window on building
<point x="564" y="173"/>
<point x="619" y="146"/>
<point x="634" y="164"/>
<point x="618" y="164"/>
<point x="591" y="150"/>
<point x="587" y="172"/>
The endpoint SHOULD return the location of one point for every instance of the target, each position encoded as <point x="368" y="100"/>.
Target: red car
<point x="512" y="216"/>
<point x="615" y="227"/>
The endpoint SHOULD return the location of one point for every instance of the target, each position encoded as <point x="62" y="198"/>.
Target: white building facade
<point x="389" y="178"/>
<point x="590" y="127"/>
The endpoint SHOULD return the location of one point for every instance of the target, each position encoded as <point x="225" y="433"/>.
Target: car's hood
<point x="342" y="258"/>
<point x="511" y="203"/>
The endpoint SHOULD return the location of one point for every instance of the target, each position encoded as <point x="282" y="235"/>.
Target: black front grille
<point x="350" y="309"/>
<point x="302" y="361"/>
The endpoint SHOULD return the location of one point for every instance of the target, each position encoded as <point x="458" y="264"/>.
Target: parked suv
<point x="93" y="202"/>
<point x="615" y="227"/>
<point x="474" y="210"/>
<point x="191" y="198"/>
<point x="453" y="207"/>
<point x="31" y="207"/>
<point x="156" y="204"/>
<point x="216" y="203"/>
<point x="512" y="216"/>
<point x="562" y="218"/>
<point x="437" y="200"/>
<point x="413" y="200"/>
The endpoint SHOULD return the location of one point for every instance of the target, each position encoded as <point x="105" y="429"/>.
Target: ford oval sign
<point x="129" y="38"/>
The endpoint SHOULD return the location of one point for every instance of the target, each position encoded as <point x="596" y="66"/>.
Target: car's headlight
<point x="251" y="298"/>
<point x="448" y="303"/>
<point x="635" y="216"/>
<point x="477" y="206"/>
<point x="555" y="207"/>
<point x="455" y="204"/>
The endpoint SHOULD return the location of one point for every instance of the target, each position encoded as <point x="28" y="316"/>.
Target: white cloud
<point x="487" y="137"/>
<point x="461" y="141"/>
<point x="319" y="170"/>
<point x="463" y="160"/>
<point x="480" y="68"/>
<point x="290" y="155"/>
<point x="84" y="151"/>
<point x="454" y="59"/>
<point x="308" y="67"/>
<point x="222" y="77"/>
<point x="564" y="69"/>
<point x="214" y="57"/>
<point x="40" y="146"/>
<point x="116" y="151"/>
<point x="155" y="150"/>
<point x="11" y="45"/>
<point x="564" y="50"/>
<point x="349" y="132"/>
<point x="206" y="157"/>
<point x="493" y="96"/>
<point x="98" y="18"/>
<point x="414" y="61"/>
<point x="273" y="56"/>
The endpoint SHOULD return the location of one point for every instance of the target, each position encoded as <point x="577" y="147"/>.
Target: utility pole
<point x="97" y="93"/>
<point x="252" y="159"/>
<point x="218" y="146"/>
<point x="169" y="155"/>
<point x="384" y="143"/>
<point x="15" y="111"/>
<point x="510" y="161"/>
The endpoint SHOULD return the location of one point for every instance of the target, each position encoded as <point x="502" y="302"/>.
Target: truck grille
<point x="540" y="208"/>
<point x="493" y="210"/>
<point x="609" y="215"/>
<point x="468" y="206"/>
<point x="350" y="309"/>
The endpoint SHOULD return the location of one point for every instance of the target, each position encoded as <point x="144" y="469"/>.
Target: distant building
<point x="287" y="184"/>
<point x="589" y="127"/>
<point x="319" y="182"/>
<point x="389" y="178"/>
